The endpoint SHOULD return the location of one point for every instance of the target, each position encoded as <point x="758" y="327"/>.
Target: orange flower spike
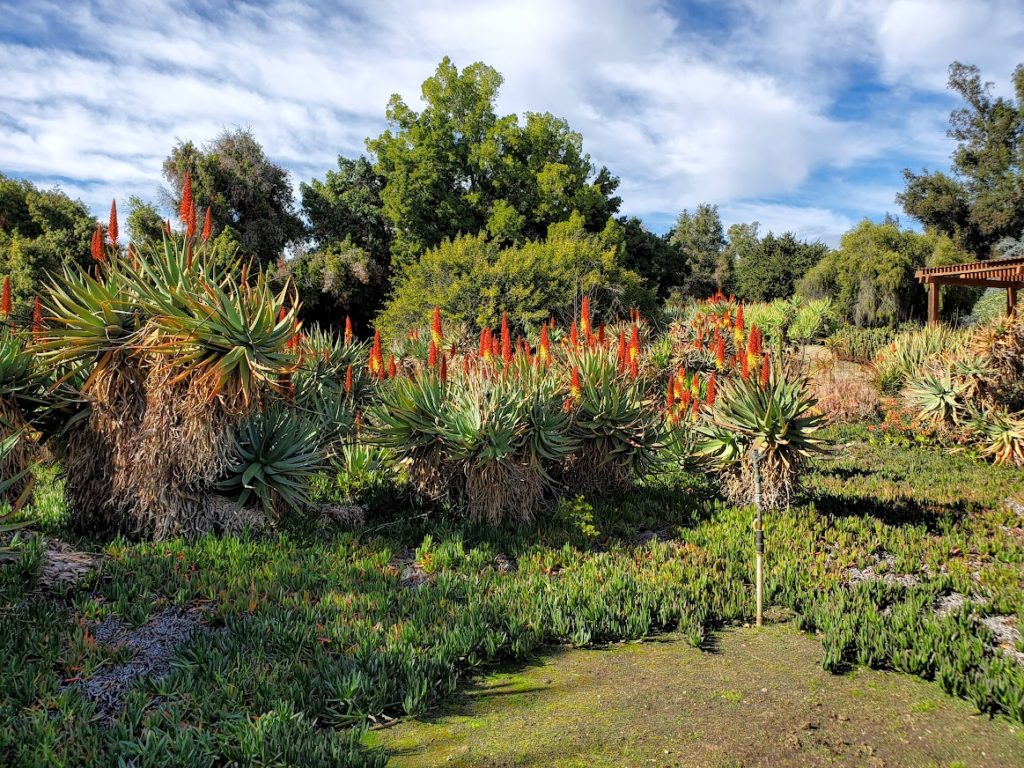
<point x="766" y="371"/>
<point x="37" y="316"/>
<point x="348" y="380"/>
<point x="444" y="368"/>
<point x="282" y="315"/>
<point x="719" y="351"/>
<point x="755" y="340"/>
<point x="574" y="336"/>
<point x="506" y="339"/>
<point x="187" y="207"/>
<point x="99" y="255"/>
<point x="739" y="318"/>
<point x="465" y="366"/>
<point x="712" y="389"/>
<point x="392" y="367"/>
<point x="575" y="390"/>
<point x="435" y="328"/>
<point x="585" y="317"/>
<point x="600" y="335"/>
<point x="745" y="367"/>
<point x="6" y="303"/>
<point x="112" y="224"/>
<point x="376" y="356"/>
<point x="167" y="226"/>
<point x="622" y="349"/>
<point x="634" y="368"/>
<point x="495" y="346"/>
<point x="670" y="398"/>
<point x="190" y="223"/>
<point x="207" y="224"/>
<point x="348" y="330"/>
<point x="695" y="387"/>
<point x="544" y="353"/>
<point x="432" y="354"/>
<point x="634" y="345"/>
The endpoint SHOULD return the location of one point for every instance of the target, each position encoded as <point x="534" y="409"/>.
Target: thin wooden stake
<point x="758" y="538"/>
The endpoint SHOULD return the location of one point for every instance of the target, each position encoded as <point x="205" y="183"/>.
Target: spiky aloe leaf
<point x="275" y="457"/>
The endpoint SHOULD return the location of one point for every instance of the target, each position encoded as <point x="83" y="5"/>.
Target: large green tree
<point x="456" y="166"/>
<point x="474" y="279"/>
<point x="769" y="268"/>
<point x="652" y="256"/>
<point x="982" y="200"/>
<point x="347" y="268"/>
<point x="870" y="278"/>
<point x="40" y="230"/>
<point x="244" y="189"/>
<point x="701" y="240"/>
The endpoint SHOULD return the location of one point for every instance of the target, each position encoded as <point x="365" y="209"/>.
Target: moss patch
<point x="757" y="697"/>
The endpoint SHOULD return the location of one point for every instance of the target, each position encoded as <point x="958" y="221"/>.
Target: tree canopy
<point x="244" y="189"/>
<point x="701" y="241"/>
<point x="870" y="278"/>
<point x="40" y="230"/>
<point x="981" y="201"/>
<point x="456" y="167"/>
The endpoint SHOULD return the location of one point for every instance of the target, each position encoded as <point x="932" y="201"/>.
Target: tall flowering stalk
<point x="187" y="208"/>
<point x="207" y="225"/>
<point x="6" y="304"/>
<point x="432" y="354"/>
<point x="436" y="334"/>
<point x="574" y="336"/>
<point x="112" y="224"/>
<point x="348" y="330"/>
<point x="585" y="321"/>
<point x="99" y="254"/>
<point x="506" y="339"/>
<point x="634" y="352"/>
<point x="544" y="349"/>
<point x="376" y="362"/>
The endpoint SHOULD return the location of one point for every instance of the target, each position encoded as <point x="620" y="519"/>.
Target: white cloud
<point x="104" y="88"/>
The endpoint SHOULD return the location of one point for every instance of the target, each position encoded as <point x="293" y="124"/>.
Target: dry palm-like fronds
<point x="1000" y="345"/>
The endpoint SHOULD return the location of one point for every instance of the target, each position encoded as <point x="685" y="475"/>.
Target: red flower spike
<point x="167" y="226"/>
<point x="207" y="225"/>
<point x="575" y="390"/>
<point x="719" y="350"/>
<point x="600" y="335"/>
<point x="348" y="380"/>
<point x="766" y="371"/>
<point x="739" y="318"/>
<point x="282" y="315"/>
<point x="544" y="352"/>
<point x="190" y="222"/>
<point x="585" y="317"/>
<point x="348" y="330"/>
<point x="376" y="363"/>
<point x="634" y="345"/>
<point x="574" y="336"/>
<point x="99" y="254"/>
<point x="435" y="328"/>
<point x="634" y="368"/>
<point x="432" y="354"/>
<point x="745" y="367"/>
<point x="495" y="345"/>
<point x="670" y="398"/>
<point x="187" y="207"/>
<point x="484" y="345"/>
<point x="506" y="339"/>
<point x="465" y="366"/>
<point x="392" y="367"/>
<point x="755" y="340"/>
<point x="112" y="224"/>
<point x="37" y="316"/>
<point x="6" y="303"/>
<point x="712" y="389"/>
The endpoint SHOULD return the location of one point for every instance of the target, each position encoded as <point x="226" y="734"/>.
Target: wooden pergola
<point x="997" y="273"/>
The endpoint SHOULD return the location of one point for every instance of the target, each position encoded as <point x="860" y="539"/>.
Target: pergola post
<point x="933" y="303"/>
<point x="1011" y="299"/>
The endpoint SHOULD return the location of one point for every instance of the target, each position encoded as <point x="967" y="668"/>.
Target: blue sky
<point x="800" y="115"/>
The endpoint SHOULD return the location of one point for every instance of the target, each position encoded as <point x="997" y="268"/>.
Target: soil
<point x="757" y="697"/>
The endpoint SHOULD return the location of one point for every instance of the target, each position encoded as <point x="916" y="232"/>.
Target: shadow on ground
<point x="761" y="700"/>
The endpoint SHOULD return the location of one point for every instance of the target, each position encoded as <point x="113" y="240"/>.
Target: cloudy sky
<point x="800" y="114"/>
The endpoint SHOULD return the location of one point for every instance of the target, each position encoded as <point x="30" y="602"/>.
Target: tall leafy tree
<point x="701" y="240"/>
<point x="652" y="256"/>
<point x="244" y="189"/>
<point x="40" y="230"/>
<point x="456" y="166"/>
<point x="982" y="200"/>
<point x="145" y="224"/>
<point x="769" y="268"/>
<point x="870" y="278"/>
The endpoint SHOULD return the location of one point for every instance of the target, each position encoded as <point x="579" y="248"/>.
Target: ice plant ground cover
<point x="897" y="557"/>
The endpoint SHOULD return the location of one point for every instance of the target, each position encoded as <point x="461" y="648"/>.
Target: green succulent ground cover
<point x="314" y="632"/>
